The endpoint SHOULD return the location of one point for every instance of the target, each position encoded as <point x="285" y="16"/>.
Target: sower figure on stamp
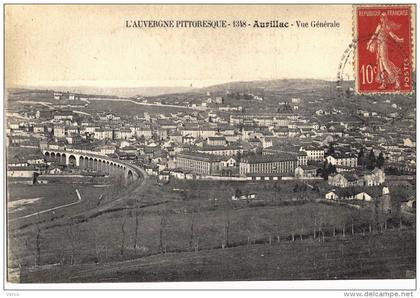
<point x="388" y="73"/>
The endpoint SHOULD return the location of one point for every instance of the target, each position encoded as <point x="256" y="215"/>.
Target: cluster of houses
<point x="357" y="185"/>
<point x="222" y="141"/>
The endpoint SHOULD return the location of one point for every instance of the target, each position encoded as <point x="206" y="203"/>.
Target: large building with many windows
<point x="278" y="164"/>
<point x="199" y="163"/>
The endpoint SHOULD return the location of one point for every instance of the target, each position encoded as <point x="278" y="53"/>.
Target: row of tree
<point x="369" y="160"/>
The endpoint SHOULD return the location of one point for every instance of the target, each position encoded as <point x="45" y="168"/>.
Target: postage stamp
<point x="383" y="60"/>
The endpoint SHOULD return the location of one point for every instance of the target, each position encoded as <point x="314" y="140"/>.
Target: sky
<point x="82" y="45"/>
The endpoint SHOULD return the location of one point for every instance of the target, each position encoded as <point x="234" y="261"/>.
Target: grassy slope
<point x="387" y="255"/>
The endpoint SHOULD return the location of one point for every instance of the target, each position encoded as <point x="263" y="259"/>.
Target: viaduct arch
<point x="87" y="160"/>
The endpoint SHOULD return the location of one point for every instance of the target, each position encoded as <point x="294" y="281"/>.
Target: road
<point x="146" y="104"/>
<point x="43" y="103"/>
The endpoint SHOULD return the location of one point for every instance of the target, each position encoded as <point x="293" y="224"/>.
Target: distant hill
<point x="111" y="91"/>
<point x="267" y="87"/>
<point x="274" y="85"/>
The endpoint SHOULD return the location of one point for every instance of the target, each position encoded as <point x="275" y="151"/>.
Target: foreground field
<point x="387" y="255"/>
<point x="129" y="233"/>
<point x="151" y="223"/>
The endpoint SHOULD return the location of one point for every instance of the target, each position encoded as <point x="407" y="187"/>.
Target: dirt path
<point x="145" y="104"/>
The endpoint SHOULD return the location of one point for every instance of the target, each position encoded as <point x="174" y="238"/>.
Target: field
<point x="151" y="220"/>
<point x="167" y="223"/>
<point x="388" y="255"/>
<point x="26" y="199"/>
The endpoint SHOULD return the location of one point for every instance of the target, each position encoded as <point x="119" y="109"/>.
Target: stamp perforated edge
<point x="355" y="56"/>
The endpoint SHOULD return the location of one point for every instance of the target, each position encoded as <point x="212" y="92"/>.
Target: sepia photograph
<point x="184" y="143"/>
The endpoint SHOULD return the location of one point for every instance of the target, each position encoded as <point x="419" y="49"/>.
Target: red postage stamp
<point x="383" y="49"/>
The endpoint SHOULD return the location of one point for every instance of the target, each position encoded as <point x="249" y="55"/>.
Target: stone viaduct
<point x="85" y="159"/>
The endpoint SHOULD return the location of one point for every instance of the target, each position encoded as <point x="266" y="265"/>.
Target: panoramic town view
<point x="210" y="147"/>
<point x="259" y="180"/>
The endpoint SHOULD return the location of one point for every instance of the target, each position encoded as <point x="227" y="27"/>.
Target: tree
<point x="238" y="193"/>
<point x="380" y="161"/>
<point x="277" y="188"/>
<point x="226" y="227"/>
<point x="137" y="221"/>
<point x="142" y="139"/>
<point x="194" y="239"/>
<point x="162" y="232"/>
<point x="361" y="157"/>
<point x="123" y="235"/>
<point x="330" y="169"/>
<point x="38" y="246"/>
<point x="324" y="170"/>
<point x="371" y="162"/>
<point x="238" y="156"/>
<point x="331" y="149"/>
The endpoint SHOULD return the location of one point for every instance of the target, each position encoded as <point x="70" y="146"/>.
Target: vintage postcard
<point x="208" y="143"/>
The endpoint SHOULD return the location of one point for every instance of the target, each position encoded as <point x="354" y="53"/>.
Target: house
<point x="58" y="95"/>
<point x="63" y="115"/>
<point x="74" y="139"/>
<point x="177" y="173"/>
<point x="73" y="96"/>
<point x="363" y="196"/>
<point x="127" y="152"/>
<point x="55" y="171"/>
<point x="36" y="159"/>
<point x="60" y="131"/>
<point x="373" y="178"/>
<point x="338" y="180"/>
<point x="410" y="204"/>
<point x="342" y="160"/>
<point x="39" y="128"/>
<point x="229" y="163"/>
<point x="175" y="137"/>
<point x="164" y="176"/>
<point x="22" y="171"/>
<point x="366" y="194"/>
<point x="198" y="132"/>
<point x="313" y="153"/>
<point x="188" y="139"/>
<point x="106" y="149"/>
<point x="143" y="131"/>
<point x="408" y="142"/>
<point x="104" y="133"/>
<point x="331" y="195"/>
<point x="302" y="172"/>
<point x="216" y="141"/>
<point x="250" y="196"/>
<point x="123" y="133"/>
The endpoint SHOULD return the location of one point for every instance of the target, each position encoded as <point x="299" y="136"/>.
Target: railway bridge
<point x="86" y="159"/>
